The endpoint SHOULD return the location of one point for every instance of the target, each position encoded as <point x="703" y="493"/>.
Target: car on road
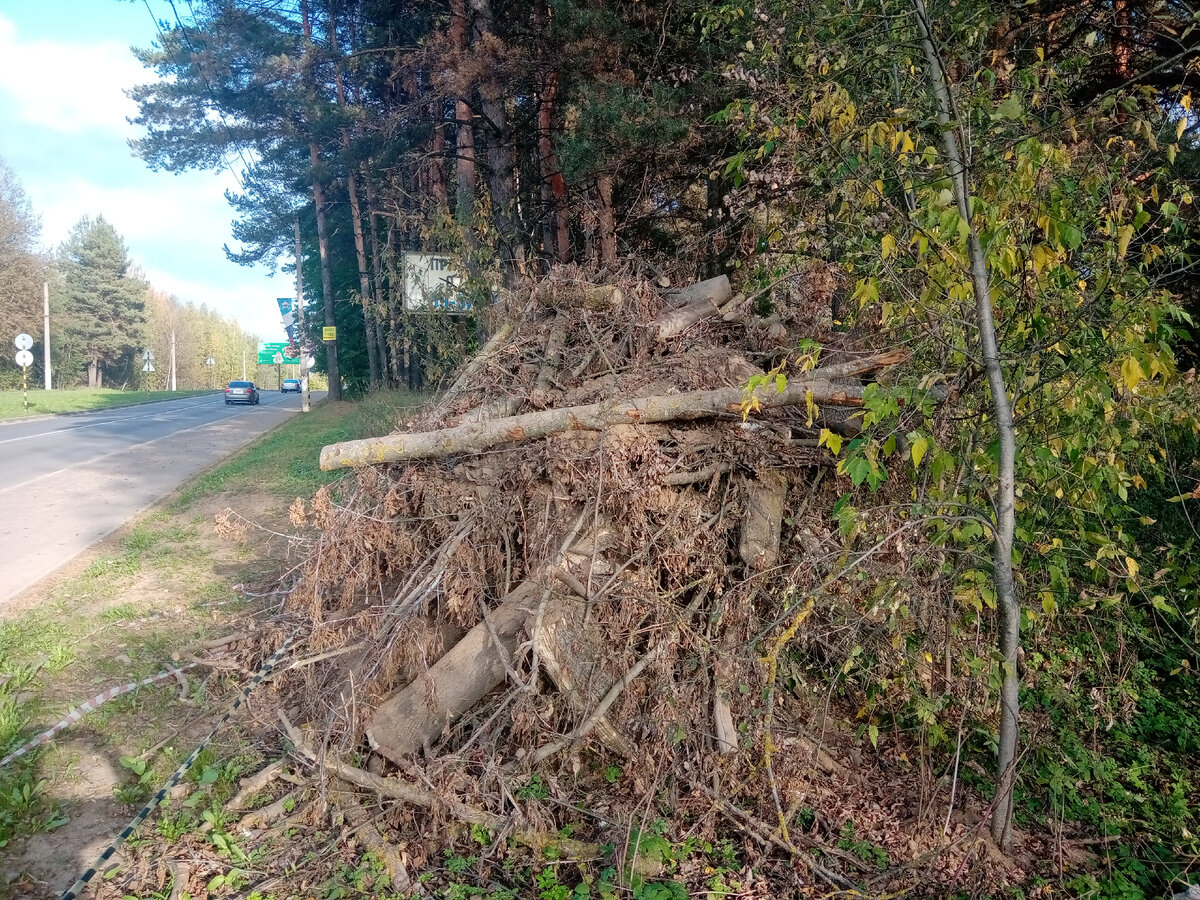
<point x="241" y="392"/>
<point x="290" y="384"/>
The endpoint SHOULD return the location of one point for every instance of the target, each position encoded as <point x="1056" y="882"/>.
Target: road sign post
<point x="24" y="359"/>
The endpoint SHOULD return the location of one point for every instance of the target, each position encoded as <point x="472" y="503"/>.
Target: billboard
<point x="268" y="351"/>
<point x="431" y="283"/>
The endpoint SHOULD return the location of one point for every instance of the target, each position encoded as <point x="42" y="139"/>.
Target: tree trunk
<point x="555" y="235"/>
<point x="607" y="224"/>
<point x="415" y="716"/>
<point x="1002" y="531"/>
<point x="331" y="347"/>
<point x="700" y="301"/>
<point x="464" y="195"/>
<point x="365" y="292"/>
<point x="500" y="171"/>
<point x="318" y="189"/>
<point x="385" y="321"/>
<point x="477" y="437"/>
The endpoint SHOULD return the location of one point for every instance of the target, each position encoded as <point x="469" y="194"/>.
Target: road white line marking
<point x="160" y="415"/>
<point x="102" y="456"/>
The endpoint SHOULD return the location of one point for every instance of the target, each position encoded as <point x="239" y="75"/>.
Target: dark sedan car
<point x="241" y="392"/>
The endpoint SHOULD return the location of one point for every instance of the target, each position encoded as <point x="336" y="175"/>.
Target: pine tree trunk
<point x="365" y="292"/>
<point x="464" y="196"/>
<point x="607" y="224"/>
<point x="331" y="347"/>
<point x="554" y="186"/>
<point x="383" y="294"/>
<point x="500" y="172"/>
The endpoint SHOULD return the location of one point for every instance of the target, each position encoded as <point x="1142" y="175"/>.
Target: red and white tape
<point x="87" y="706"/>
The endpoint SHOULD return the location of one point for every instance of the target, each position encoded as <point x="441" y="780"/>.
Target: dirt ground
<point x="164" y="581"/>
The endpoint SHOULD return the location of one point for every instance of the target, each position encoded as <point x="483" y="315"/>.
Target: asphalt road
<point x="67" y="481"/>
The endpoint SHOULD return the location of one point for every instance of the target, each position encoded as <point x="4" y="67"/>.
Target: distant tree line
<point x="104" y="315"/>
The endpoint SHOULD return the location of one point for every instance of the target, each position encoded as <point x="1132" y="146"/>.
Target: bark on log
<point x="704" y="300"/>
<point x="407" y="721"/>
<point x="711" y="288"/>
<point x="573" y="294"/>
<point x="762" y="521"/>
<point x="724" y="731"/>
<point x="476" y="438"/>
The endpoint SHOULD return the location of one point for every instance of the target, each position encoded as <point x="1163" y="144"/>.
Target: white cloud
<point x="69" y="88"/>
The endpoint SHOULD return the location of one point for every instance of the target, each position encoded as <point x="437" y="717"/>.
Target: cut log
<point x="703" y="300"/>
<point x="571" y="651"/>
<point x="551" y="360"/>
<point x="556" y="294"/>
<point x="724" y="731"/>
<point x="415" y="716"/>
<point x="762" y="521"/>
<point x="476" y="438"/>
<point x="711" y="288"/>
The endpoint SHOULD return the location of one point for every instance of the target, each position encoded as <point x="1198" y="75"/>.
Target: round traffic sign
<point x="23" y="341"/>
<point x="24" y="358"/>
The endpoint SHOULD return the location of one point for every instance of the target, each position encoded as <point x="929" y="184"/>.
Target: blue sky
<point x="64" y="65"/>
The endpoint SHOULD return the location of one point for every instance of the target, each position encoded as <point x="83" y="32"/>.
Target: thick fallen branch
<point x="415" y="716"/>
<point x="697" y="302"/>
<point x="763" y="520"/>
<point x="475" y="438"/>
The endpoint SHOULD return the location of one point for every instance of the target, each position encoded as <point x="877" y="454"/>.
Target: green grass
<point x="286" y="461"/>
<point x="81" y="400"/>
<point x="60" y="652"/>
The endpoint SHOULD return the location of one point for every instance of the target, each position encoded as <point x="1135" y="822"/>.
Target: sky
<point x="64" y="68"/>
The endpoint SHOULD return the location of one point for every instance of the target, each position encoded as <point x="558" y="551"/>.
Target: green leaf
<point x="781" y="382"/>
<point x="873" y="734"/>
<point x="1010" y="108"/>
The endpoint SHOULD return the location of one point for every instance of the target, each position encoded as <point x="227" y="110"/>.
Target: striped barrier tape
<point x="82" y="881"/>
<point x="86" y="707"/>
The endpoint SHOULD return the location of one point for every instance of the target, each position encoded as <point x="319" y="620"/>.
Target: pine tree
<point x="105" y="315"/>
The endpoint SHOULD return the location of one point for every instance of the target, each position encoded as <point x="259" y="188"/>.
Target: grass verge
<point x="285" y="462"/>
<point x="42" y="402"/>
<point x="164" y="582"/>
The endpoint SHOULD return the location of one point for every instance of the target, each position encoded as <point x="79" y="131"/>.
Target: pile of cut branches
<point x="558" y="608"/>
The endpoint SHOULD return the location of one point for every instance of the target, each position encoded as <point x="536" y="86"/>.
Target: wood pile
<point x="585" y="559"/>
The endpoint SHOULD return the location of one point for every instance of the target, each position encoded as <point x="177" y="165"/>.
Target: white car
<point x="290" y="384"/>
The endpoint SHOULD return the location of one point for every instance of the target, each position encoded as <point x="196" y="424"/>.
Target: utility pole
<point x="300" y="322"/>
<point x="46" y="331"/>
<point x="172" y="359"/>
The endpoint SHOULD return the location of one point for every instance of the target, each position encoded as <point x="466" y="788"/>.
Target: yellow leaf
<point x="1180" y="127"/>
<point x="1186" y="102"/>
<point x="1124" y="236"/>
<point x="830" y="440"/>
<point x="1132" y="566"/>
<point x="1131" y="373"/>
<point x="889" y="246"/>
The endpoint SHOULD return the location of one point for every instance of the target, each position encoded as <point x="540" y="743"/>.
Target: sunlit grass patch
<point x="286" y="462"/>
